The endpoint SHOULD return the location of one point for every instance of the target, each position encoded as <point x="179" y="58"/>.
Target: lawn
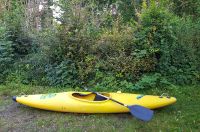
<point x="182" y="116"/>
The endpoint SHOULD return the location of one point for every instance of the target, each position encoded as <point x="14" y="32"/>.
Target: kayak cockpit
<point x="90" y="96"/>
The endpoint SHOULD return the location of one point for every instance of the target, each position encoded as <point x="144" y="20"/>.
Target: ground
<point x="182" y="116"/>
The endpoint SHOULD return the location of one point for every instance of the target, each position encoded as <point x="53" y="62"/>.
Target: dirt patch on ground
<point x="13" y="117"/>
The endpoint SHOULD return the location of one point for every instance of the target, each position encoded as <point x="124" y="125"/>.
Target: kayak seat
<point x="90" y="96"/>
<point x="99" y="98"/>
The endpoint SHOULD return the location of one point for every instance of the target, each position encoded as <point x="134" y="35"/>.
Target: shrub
<point x="6" y="54"/>
<point x="173" y="40"/>
<point x="186" y="60"/>
<point x="16" y="27"/>
<point x="110" y="82"/>
<point x="118" y="52"/>
<point x="93" y="46"/>
<point x="151" y="81"/>
<point x="187" y="8"/>
<point x="63" y="74"/>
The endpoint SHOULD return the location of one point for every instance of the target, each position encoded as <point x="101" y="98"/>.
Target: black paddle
<point x="137" y="111"/>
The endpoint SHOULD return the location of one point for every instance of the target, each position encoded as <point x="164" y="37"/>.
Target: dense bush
<point x="119" y="53"/>
<point x="187" y="7"/>
<point x="187" y="59"/>
<point x="6" y="54"/>
<point x="176" y="57"/>
<point x="142" y="45"/>
<point x="16" y="27"/>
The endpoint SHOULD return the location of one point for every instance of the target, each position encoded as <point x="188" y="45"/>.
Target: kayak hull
<point x="86" y="102"/>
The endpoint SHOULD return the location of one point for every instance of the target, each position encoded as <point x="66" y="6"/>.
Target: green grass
<point x="182" y="116"/>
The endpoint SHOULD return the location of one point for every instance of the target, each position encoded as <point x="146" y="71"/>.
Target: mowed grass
<point x="182" y="116"/>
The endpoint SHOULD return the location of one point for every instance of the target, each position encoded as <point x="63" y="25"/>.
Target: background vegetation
<point x="105" y="44"/>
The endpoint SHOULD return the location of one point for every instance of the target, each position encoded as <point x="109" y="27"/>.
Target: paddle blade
<point x="141" y="112"/>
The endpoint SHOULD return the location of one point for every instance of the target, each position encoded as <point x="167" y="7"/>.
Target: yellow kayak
<point x="87" y="102"/>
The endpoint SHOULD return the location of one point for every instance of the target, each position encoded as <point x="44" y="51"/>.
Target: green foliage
<point x="6" y="54"/>
<point x="63" y="74"/>
<point x="187" y="58"/>
<point x="110" y="82"/>
<point x="15" y="44"/>
<point x="158" y="25"/>
<point x="32" y="69"/>
<point x="144" y="44"/>
<point x="118" y="52"/>
<point x="160" y="31"/>
<point x="151" y="81"/>
<point x="16" y="27"/>
<point x="187" y="7"/>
